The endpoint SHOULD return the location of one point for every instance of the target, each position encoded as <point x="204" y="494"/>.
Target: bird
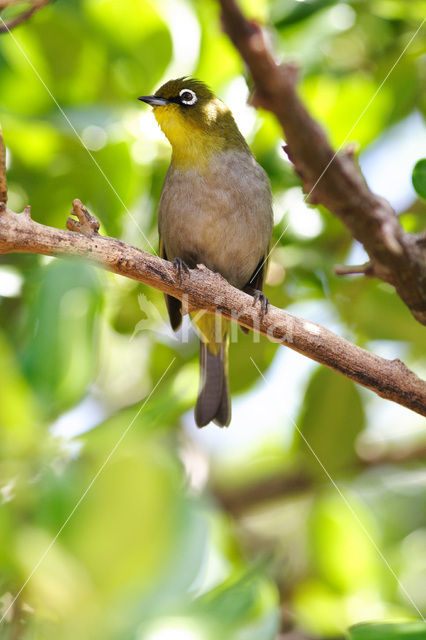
<point x="215" y="209"/>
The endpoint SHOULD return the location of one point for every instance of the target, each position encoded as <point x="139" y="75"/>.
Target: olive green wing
<point x="174" y="306"/>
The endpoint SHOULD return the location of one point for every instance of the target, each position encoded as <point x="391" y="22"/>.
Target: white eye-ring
<point x="187" y="96"/>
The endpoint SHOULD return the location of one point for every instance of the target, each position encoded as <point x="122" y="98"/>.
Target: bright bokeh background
<point x="184" y="534"/>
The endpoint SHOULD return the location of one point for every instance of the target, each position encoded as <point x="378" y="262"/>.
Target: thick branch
<point x="202" y="289"/>
<point x="333" y="180"/>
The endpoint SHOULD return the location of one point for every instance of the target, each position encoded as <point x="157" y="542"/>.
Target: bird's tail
<point x="214" y="401"/>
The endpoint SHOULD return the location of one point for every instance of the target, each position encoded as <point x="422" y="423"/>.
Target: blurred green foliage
<point x="108" y="496"/>
<point x="419" y="178"/>
<point x="405" y="630"/>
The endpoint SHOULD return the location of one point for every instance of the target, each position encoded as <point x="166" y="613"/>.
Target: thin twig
<point x="22" y="17"/>
<point x="3" y="182"/>
<point x="366" y="269"/>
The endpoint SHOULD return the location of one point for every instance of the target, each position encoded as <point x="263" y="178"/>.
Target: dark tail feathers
<point x="214" y="402"/>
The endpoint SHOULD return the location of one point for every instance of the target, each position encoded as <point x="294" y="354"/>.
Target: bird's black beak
<point x="154" y="101"/>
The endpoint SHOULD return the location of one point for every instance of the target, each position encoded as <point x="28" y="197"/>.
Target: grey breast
<point x="221" y="218"/>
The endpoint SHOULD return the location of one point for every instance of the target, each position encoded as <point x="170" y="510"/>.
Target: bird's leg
<point x="258" y="296"/>
<point x="181" y="267"/>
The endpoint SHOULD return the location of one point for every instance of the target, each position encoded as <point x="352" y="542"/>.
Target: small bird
<point x="215" y="209"/>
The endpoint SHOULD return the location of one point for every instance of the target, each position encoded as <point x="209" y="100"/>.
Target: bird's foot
<point x="181" y="267"/>
<point x="259" y="296"/>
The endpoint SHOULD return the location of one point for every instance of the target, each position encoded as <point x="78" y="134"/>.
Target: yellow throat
<point x="195" y="141"/>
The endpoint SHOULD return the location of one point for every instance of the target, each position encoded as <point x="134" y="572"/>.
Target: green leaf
<point x="360" y="303"/>
<point x="262" y="350"/>
<point x="61" y="355"/>
<point x="18" y="409"/>
<point x="246" y="601"/>
<point x="320" y="610"/>
<point x="331" y="418"/>
<point x="301" y="11"/>
<point x="343" y="555"/>
<point x="392" y="631"/>
<point x="137" y="37"/>
<point x="336" y="103"/>
<point x="419" y="178"/>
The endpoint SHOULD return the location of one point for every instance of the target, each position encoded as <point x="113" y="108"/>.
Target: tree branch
<point x="238" y="500"/>
<point x="3" y="183"/>
<point x="366" y="269"/>
<point x="298" y="635"/>
<point x="203" y="289"/>
<point x="22" y="17"/>
<point x="284" y="484"/>
<point x="333" y="180"/>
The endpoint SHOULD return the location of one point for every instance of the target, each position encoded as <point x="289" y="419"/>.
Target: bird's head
<point x="194" y="120"/>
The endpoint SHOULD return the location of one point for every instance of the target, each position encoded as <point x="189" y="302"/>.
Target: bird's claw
<point x="181" y="267"/>
<point x="259" y="296"/>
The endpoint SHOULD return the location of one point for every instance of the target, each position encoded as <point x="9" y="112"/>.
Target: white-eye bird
<point x="215" y="209"/>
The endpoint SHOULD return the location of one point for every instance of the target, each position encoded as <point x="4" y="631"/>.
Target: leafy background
<point x="181" y="536"/>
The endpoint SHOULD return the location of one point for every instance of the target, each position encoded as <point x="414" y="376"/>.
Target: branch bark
<point x="298" y="635"/>
<point x="202" y="289"/>
<point x="22" y="17"/>
<point x="331" y="179"/>
<point x="284" y="484"/>
<point x="3" y="183"/>
<point x="239" y="500"/>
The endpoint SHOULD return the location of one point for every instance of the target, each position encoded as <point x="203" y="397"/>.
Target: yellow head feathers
<point x="195" y="122"/>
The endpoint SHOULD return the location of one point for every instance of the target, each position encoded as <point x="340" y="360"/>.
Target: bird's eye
<point x="187" y="96"/>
